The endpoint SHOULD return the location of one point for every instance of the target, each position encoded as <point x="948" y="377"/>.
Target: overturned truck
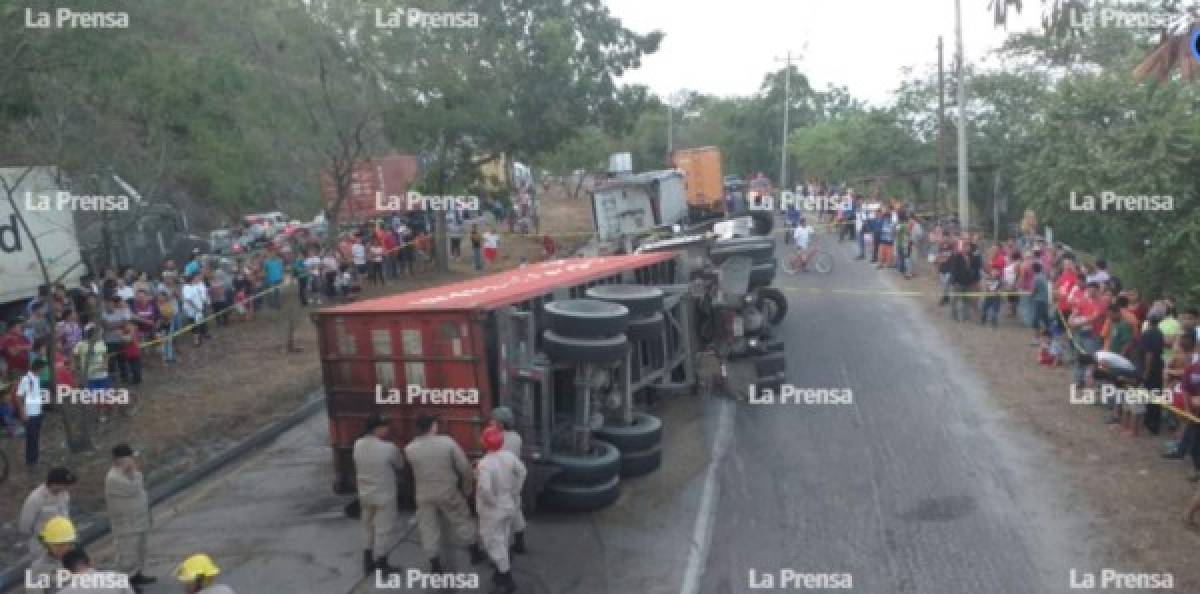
<point x="574" y="347"/>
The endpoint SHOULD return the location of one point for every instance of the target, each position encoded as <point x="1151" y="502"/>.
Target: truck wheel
<point x="639" y="299"/>
<point x="773" y="304"/>
<point x="764" y="222"/>
<point x="586" y="318"/>
<point x="644" y="433"/>
<point x="762" y="275"/>
<point x="768" y="364"/>
<point x="584" y="350"/>
<point x="602" y="464"/>
<point x="582" y="497"/>
<point x="650" y="328"/>
<point x="641" y="462"/>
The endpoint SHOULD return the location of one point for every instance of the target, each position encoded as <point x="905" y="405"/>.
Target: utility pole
<point x="938" y="197"/>
<point x="787" y="101"/>
<point x="963" y="206"/>
<point x="670" y="144"/>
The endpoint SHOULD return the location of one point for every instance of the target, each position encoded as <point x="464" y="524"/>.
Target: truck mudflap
<point x="540" y="473"/>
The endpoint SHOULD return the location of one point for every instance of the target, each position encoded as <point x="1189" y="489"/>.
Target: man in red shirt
<point x="1087" y="323"/>
<point x="15" y="347"/>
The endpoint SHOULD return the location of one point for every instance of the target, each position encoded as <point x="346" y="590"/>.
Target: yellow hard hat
<point x="199" y="565"/>
<point x="58" y="530"/>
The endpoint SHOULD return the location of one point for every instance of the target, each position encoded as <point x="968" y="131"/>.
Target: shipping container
<point x="702" y="180"/>
<point x="378" y="187"/>
<point x="477" y="338"/>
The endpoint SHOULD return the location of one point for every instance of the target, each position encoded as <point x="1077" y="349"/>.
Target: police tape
<point x="890" y="292"/>
<point x="185" y="329"/>
<point x="1075" y="344"/>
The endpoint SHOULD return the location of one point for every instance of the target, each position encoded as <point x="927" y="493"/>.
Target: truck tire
<point x="772" y="363"/>
<point x="582" y="497"/>
<point x="762" y="275"/>
<point x="758" y="253"/>
<point x="586" y="318"/>
<point x="602" y="464"/>
<point x="764" y="222"/>
<point x="773" y="303"/>
<point x="641" y="462"/>
<point x="650" y="328"/>
<point x="640" y="300"/>
<point x="643" y="434"/>
<point x="561" y="348"/>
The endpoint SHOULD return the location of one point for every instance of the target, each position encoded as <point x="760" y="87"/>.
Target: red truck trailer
<point x="459" y="350"/>
<point x="373" y="183"/>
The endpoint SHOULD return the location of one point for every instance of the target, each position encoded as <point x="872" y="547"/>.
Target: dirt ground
<point x="1138" y="497"/>
<point x="226" y="389"/>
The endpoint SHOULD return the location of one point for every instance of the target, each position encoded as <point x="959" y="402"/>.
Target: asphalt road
<point x="920" y="485"/>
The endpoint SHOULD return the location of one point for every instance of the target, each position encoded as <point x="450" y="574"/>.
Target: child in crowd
<point x="345" y="282"/>
<point x="1047" y="354"/>
<point x="133" y="352"/>
<point x="992" y="302"/>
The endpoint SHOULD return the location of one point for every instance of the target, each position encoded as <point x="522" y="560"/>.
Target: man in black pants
<point x="1151" y="367"/>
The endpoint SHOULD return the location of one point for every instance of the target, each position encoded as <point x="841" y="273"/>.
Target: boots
<point x="504" y="583"/>
<point x="477" y="554"/>
<point x="435" y="566"/>
<point x="518" y="545"/>
<point x="383" y="566"/>
<point x="139" y="579"/>
<point x="368" y="562"/>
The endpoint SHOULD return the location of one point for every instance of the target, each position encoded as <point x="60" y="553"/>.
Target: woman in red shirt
<point x="1065" y="286"/>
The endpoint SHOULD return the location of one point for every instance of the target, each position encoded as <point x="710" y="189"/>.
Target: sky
<point x="726" y="47"/>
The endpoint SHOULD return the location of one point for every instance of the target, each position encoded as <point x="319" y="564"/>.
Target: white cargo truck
<point x="53" y="228"/>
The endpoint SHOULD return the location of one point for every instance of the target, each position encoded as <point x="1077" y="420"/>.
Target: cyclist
<point x="793" y="218"/>
<point x="801" y="237"/>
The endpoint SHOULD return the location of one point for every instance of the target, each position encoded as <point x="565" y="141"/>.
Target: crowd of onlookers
<point x="1135" y="356"/>
<point x="103" y="330"/>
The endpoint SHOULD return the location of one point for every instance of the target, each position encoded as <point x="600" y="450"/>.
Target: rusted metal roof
<point x="504" y="288"/>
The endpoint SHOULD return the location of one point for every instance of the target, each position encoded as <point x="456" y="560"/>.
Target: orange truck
<point x="702" y="181"/>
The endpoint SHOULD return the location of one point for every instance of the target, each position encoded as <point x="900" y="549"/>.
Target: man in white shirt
<point x="801" y="237"/>
<point x="358" y="254"/>
<point x="195" y="300"/>
<point x="48" y="500"/>
<point x="29" y="394"/>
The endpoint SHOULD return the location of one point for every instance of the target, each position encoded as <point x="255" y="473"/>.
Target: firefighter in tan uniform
<point x="512" y="443"/>
<point x="56" y="538"/>
<point x="443" y="480"/>
<point x="376" y="462"/>
<point x="128" y="513"/>
<point x="198" y="575"/>
<point x="84" y="578"/>
<point x="48" y="500"/>
<point x="497" y="496"/>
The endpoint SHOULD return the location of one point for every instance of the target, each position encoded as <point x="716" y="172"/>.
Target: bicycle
<point x="818" y="259"/>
